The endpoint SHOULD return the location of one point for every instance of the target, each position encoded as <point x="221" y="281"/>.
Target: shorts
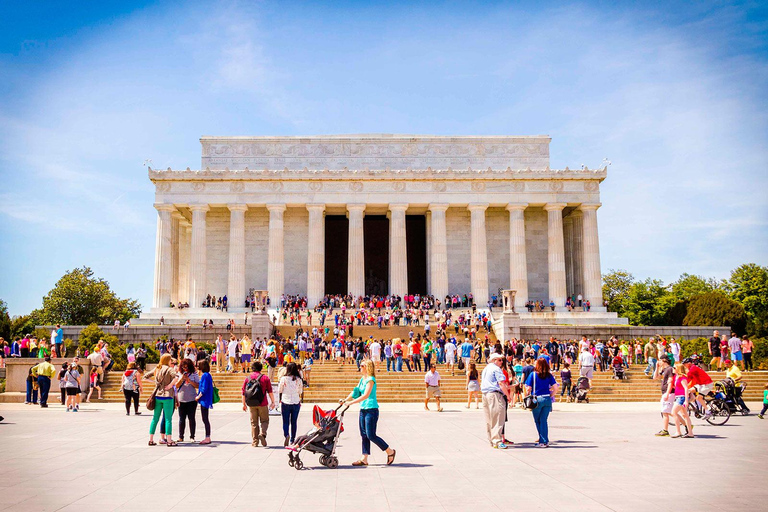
<point x="433" y="391"/>
<point x="245" y="358"/>
<point x="466" y="361"/>
<point x="375" y="358"/>
<point x="338" y="353"/>
<point x="586" y="371"/>
<point x="666" y="406"/>
<point x="72" y="391"/>
<point x="680" y="400"/>
<point x="473" y="386"/>
<point x="704" y="389"/>
<point x="349" y="354"/>
<point x="716" y="354"/>
<point x="450" y="358"/>
<point x="737" y="356"/>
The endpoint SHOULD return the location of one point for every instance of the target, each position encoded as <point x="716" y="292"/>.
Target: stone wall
<point x="536" y="253"/>
<point x="256" y="248"/>
<point x="296" y="234"/>
<point x="151" y="333"/>
<point x="604" y="332"/>
<point x="497" y="235"/>
<point x="458" y="241"/>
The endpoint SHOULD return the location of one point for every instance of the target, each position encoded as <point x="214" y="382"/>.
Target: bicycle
<point x="719" y="412"/>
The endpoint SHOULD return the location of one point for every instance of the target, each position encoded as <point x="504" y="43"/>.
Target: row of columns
<point x="181" y="251"/>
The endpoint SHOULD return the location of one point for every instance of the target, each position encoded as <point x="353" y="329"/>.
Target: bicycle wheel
<point x="720" y="412"/>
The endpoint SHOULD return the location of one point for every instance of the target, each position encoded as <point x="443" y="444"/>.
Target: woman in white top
<point x="289" y="388"/>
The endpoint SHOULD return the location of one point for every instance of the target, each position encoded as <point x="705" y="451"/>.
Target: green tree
<point x="688" y="286"/>
<point x="80" y="299"/>
<point x="23" y="324"/>
<point x="644" y="303"/>
<point x="616" y="285"/>
<point x="5" y="321"/>
<point x="716" y="309"/>
<point x="748" y="285"/>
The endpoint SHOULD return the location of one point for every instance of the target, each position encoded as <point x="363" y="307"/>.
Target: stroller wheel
<point x="298" y="464"/>
<point x="324" y="460"/>
<point x="333" y="462"/>
<point x="290" y="462"/>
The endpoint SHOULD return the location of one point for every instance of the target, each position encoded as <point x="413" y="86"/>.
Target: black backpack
<point x="254" y="394"/>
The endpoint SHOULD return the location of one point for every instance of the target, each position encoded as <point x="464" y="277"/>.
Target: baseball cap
<point x="494" y="357"/>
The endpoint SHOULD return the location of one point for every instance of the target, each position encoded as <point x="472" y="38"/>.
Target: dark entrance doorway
<point x="336" y="253"/>
<point x="416" y="240"/>
<point x="376" y="237"/>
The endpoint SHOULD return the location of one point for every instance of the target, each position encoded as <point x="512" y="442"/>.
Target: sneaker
<point x="662" y="433"/>
<point x="542" y="445"/>
<point x="760" y="416"/>
<point x="285" y="443"/>
<point x="76" y="409"/>
<point x="501" y="446"/>
<point x="263" y="440"/>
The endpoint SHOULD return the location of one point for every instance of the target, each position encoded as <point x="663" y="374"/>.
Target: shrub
<point x="715" y="308"/>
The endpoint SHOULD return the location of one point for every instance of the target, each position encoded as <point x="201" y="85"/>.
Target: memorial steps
<point x="330" y="382"/>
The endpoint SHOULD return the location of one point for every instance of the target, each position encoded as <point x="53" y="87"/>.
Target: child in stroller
<point x="322" y="438"/>
<point x="580" y="391"/>
<point x="618" y="367"/>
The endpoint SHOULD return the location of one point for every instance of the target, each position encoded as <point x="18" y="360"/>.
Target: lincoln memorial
<point x="377" y="214"/>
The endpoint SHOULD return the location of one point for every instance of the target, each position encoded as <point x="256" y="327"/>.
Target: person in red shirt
<point x="700" y="380"/>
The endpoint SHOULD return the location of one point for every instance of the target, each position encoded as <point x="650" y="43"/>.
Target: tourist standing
<point x="32" y="388"/>
<point x="714" y="351"/>
<point x="163" y="376"/>
<point x="365" y="394"/>
<point x="746" y="349"/>
<point x="289" y="390"/>
<point x="666" y="374"/>
<point x="131" y="385"/>
<point x="257" y="388"/>
<point x="541" y="384"/>
<point x="587" y="362"/>
<point x="95" y="383"/>
<point x="734" y="345"/>
<point x="432" y="385"/>
<point x="680" y="409"/>
<point x="205" y="396"/>
<point x="58" y="341"/>
<point x="189" y="382"/>
<point x="473" y="386"/>
<point x="72" y="387"/>
<point x="494" y="387"/>
<point x="44" y="372"/>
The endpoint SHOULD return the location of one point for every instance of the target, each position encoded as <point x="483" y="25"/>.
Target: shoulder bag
<point x="530" y="402"/>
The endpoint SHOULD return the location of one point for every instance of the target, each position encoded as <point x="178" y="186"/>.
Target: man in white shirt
<point x="375" y="349"/>
<point x="587" y="362"/>
<point x="96" y="361"/>
<point x="432" y="385"/>
<point x="232" y="349"/>
<point x="450" y="355"/>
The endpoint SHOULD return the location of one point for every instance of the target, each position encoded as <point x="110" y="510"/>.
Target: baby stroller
<point x="732" y="395"/>
<point x="580" y="392"/>
<point x="322" y="439"/>
<point x="618" y="368"/>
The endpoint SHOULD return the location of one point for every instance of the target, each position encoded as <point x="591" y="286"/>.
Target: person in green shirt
<point x="365" y="394"/>
<point x="765" y="403"/>
<point x="427" y="349"/>
<point x="44" y="372"/>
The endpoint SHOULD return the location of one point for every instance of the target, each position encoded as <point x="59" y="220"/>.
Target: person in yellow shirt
<point x="732" y="371"/>
<point x="44" y="372"/>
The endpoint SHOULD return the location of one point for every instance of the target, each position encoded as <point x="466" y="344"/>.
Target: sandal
<point x="391" y="458"/>
<point x="152" y="443"/>
<point x="172" y="443"/>
<point x="205" y="442"/>
<point x="359" y="463"/>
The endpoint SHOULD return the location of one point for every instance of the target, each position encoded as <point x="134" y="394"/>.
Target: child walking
<point x="765" y="403"/>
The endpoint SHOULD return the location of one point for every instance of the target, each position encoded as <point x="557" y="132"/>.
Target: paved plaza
<point x="604" y="457"/>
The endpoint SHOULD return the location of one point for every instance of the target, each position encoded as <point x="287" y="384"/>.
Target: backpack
<point x="129" y="382"/>
<point x="254" y="394"/>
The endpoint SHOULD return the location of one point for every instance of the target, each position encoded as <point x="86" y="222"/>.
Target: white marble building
<point x="310" y="215"/>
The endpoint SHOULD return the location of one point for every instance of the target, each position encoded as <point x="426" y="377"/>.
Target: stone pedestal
<point x="261" y="325"/>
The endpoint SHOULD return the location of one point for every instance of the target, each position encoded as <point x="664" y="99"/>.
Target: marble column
<point x="518" y="262"/>
<point x="163" y="258"/>
<point x="577" y="252"/>
<point x="398" y="250"/>
<point x="478" y="254"/>
<point x="556" y="254"/>
<point x="316" y="254"/>
<point x="185" y="238"/>
<point x="438" y="261"/>
<point x="356" y="256"/>
<point x="198" y="274"/>
<point x="568" y="244"/>
<point x="236" y="277"/>
<point x="176" y="219"/>
<point x="593" y="282"/>
<point x="276" y="254"/>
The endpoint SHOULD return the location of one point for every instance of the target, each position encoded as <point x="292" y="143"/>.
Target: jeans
<point x="566" y="389"/>
<point x="417" y="361"/>
<point x="399" y="364"/>
<point x="131" y="396"/>
<point x="369" y="418"/>
<point x="390" y="362"/>
<point x="765" y="408"/>
<point x="540" y="416"/>
<point x="290" y="414"/>
<point x="162" y="406"/>
<point x="358" y="360"/>
<point x="427" y="361"/>
<point x="651" y="365"/>
<point x="187" y="410"/>
<point x="748" y="361"/>
<point x="31" y="393"/>
<point x="44" y="383"/>
<point x="204" y="414"/>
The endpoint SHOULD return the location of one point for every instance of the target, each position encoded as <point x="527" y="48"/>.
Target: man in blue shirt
<point x="59" y="340"/>
<point x="495" y="389"/>
<point x="466" y="352"/>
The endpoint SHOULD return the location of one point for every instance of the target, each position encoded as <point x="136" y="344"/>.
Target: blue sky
<point x="674" y="96"/>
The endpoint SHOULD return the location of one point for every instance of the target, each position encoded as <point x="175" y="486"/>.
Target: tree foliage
<point x="5" y="321"/>
<point x="81" y="299"/>
<point x="616" y="285"/>
<point x="716" y="309"/>
<point x="645" y="304"/>
<point x="748" y="286"/>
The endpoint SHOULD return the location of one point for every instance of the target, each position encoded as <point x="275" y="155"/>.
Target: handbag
<point x="216" y="397"/>
<point x="531" y="402"/>
<point x="150" y="405"/>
